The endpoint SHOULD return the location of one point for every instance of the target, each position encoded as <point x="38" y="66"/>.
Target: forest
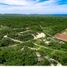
<point x="30" y="40"/>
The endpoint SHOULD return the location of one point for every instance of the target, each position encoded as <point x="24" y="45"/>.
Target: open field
<point x="30" y="40"/>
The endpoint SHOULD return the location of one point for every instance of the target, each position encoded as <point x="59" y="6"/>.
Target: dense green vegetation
<point x="18" y="46"/>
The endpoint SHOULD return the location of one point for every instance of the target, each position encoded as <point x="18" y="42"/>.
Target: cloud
<point x="33" y="6"/>
<point x="14" y="2"/>
<point x="61" y="2"/>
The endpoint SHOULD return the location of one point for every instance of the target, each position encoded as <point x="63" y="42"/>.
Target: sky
<point x="33" y="6"/>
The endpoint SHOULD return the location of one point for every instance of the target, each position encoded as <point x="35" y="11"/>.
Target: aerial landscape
<point x="35" y="40"/>
<point x="33" y="32"/>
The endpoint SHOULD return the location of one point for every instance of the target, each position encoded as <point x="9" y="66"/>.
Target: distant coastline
<point x="51" y="14"/>
<point x="38" y="14"/>
<point x="57" y="14"/>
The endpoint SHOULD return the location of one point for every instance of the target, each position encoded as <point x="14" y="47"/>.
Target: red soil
<point x="61" y="36"/>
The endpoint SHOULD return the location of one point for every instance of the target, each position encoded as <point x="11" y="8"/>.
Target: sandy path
<point x="41" y="46"/>
<point x="39" y="56"/>
<point x="51" y="60"/>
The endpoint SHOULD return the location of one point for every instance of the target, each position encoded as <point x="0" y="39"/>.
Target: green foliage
<point x="13" y="56"/>
<point x="61" y="57"/>
<point x="5" y="42"/>
<point x="12" y="25"/>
